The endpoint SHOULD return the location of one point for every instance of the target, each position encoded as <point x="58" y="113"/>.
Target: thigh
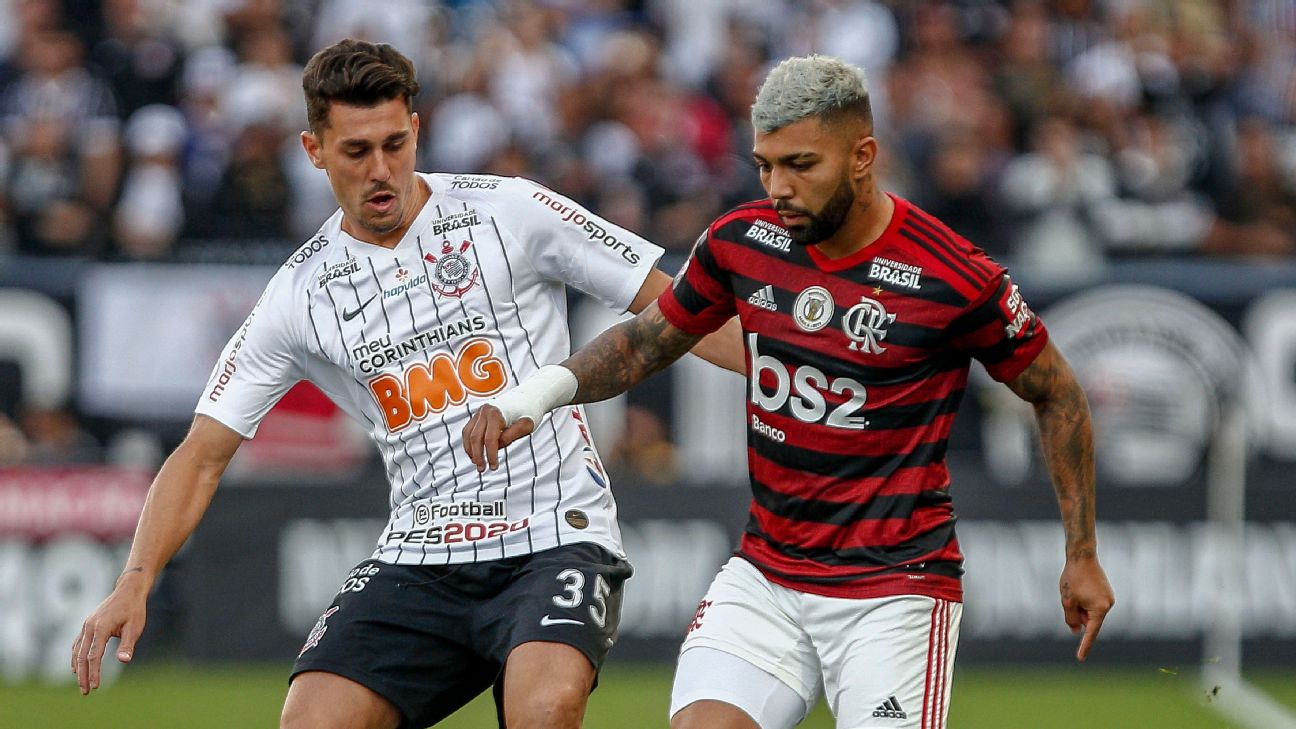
<point x="399" y="631"/>
<point x="318" y="700"/>
<point x="546" y="686"/>
<point x="715" y="690"/>
<point x="888" y="662"/>
<point x="745" y="615"/>
<point x="569" y="595"/>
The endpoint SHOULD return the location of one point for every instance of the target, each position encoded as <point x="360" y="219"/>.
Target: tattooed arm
<point x="612" y="363"/>
<point x="1066" y="435"/>
<point x="627" y="354"/>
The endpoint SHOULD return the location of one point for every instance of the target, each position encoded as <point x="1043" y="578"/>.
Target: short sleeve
<point x="567" y="243"/>
<point x="700" y="300"/>
<point x="258" y="365"/>
<point x="1000" y="330"/>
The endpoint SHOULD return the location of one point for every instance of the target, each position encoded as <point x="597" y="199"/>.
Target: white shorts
<point x="881" y="662"/>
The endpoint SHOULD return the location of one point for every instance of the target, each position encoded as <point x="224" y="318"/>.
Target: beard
<point x="827" y="221"/>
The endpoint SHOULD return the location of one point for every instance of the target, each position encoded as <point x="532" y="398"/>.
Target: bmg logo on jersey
<point x="802" y="391"/>
<point x="424" y="389"/>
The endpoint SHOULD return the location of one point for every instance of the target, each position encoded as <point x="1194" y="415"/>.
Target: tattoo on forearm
<point x="1066" y="434"/>
<point x="627" y="354"/>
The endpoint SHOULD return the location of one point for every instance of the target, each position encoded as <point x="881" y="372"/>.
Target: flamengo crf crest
<point x="866" y="324"/>
<point x="453" y="272"/>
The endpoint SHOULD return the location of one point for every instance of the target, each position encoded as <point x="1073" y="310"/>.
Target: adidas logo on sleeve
<point x="764" y="298"/>
<point x="890" y="709"/>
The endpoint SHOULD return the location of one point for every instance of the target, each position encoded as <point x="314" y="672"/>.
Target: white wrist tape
<point x="552" y="386"/>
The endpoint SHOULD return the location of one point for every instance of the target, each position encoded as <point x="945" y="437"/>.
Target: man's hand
<point x="1086" y="599"/>
<point x="486" y="433"/>
<point x="121" y="615"/>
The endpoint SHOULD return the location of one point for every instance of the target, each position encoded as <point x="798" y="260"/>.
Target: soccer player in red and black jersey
<point x="861" y="316"/>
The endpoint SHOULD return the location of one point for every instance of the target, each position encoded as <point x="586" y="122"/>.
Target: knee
<point x="707" y="714"/>
<point x="557" y="707"/>
<point x="293" y="717"/>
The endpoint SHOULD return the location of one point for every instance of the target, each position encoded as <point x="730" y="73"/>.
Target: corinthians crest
<point x="866" y="324"/>
<point x="452" y="272"/>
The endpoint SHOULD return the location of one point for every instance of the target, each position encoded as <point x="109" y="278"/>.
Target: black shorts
<point x="430" y="639"/>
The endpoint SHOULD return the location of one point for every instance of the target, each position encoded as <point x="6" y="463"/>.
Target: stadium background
<point x="151" y="180"/>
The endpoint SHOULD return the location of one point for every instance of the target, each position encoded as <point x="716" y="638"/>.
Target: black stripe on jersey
<point x="387" y="320"/>
<point x="845" y="465"/>
<point x="690" y="298"/>
<point x="879" y="556"/>
<point x="733" y="214"/>
<point x="734" y="231"/>
<point x="508" y="466"/>
<point x="454" y="456"/>
<point x="1002" y="350"/>
<point x="941" y="567"/>
<point x="345" y="348"/>
<point x="400" y="547"/>
<point x="911" y="415"/>
<point x="971" y="321"/>
<point x="705" y="258"/>
<point x="319" y="342"/>
<point x="891" y="506"/>
<point x="414" y="322"/>
<point x="517" y="312"/>
<point x="926" y="223"/>
<point x="923" y="241"/>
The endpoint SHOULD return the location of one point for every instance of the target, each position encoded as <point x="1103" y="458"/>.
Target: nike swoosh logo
<point x="349" y="315"/>
<point x="546" y="621"/>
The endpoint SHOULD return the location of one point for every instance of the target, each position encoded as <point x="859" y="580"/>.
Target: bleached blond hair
<point x="806" y="87"/>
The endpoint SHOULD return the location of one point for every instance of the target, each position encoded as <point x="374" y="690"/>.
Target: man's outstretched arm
<point x="176" y="501"/>
<point x="1066" y="435"/>
<point x="613" y="362"/>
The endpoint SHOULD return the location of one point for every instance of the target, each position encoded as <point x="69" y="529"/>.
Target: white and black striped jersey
<point x="411" y="340"/>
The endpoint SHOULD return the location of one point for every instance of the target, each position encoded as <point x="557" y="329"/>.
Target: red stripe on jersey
<point x="775" y="566"/>
<point x="838" y="441"/>
<point x="758" y="210"/>
<point x="964" y="250"/>
<point x="862" y="533"/>
<point x="704" y="284"/>
<point x="679" y="317"/>
<point x="791" y="482"/>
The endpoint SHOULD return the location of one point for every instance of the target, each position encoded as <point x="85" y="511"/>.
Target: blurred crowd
<point x="1054" y="133"/>
<point x="1057" y="134"/>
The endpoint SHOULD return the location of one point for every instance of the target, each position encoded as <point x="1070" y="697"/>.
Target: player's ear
<point x="311" y="144"/>
<point x="863" y="155"/>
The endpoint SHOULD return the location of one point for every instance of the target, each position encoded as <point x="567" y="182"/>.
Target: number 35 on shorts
<point x="571" y="594"/>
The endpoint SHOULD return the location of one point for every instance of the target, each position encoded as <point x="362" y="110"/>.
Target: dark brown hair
<point x="358" y="73"/>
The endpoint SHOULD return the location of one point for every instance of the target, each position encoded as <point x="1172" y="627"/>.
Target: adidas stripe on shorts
<point x="880" y="662"/>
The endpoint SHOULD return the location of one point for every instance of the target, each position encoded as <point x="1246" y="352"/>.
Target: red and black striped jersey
<point x="855" y="369"/>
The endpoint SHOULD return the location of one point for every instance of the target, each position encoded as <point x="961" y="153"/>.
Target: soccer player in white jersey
<point x="421" y="297"/>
